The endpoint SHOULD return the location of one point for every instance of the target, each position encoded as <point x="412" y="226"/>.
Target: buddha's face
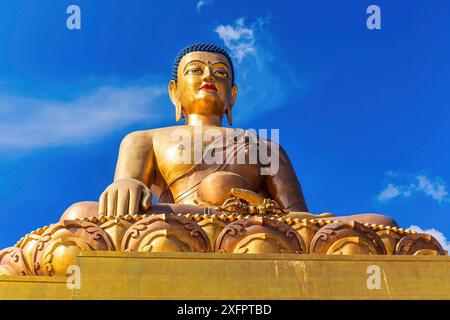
<point x="204" y="84"/>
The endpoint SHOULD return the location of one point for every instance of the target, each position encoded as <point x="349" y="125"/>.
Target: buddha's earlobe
<point x="230" y="120"/>
<point x="173" y="97"/>
<point x="234" y="91"/>
<point x="178" y="111"/>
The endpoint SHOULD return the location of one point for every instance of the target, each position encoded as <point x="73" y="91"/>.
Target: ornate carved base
<point x="259" y="235"/>
<point x="346" y="238"/>
<point x="165" y="233"/>
<point x="59" y="245"/>
<point x="12" y="262"/>
<point x="50" y="250"/>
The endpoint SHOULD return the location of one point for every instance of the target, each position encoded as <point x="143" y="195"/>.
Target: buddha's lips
<point x="208" y="86"/>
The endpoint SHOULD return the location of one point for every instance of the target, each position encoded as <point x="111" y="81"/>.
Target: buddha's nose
<point x="208" y="76"/>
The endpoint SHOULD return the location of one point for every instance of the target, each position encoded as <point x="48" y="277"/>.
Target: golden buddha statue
<point x="202" y="90"/>
<point x="219" y="190"/>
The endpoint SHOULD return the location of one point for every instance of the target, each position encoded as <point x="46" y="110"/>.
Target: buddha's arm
<point x="134" y="175"/>
<point x="284" y="186"/>
<point x="136" y="158"/>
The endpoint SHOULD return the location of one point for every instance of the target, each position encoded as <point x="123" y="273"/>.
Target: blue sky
<point x="363" y="114"/>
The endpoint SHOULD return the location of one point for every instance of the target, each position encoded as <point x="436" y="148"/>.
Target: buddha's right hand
<point x="125" y="196"/>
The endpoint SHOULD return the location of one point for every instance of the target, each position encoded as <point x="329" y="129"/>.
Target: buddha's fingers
<point x="251" y="197"/>
<point x="102" y="203"/>
<point x="111" y="203"/>
<point x="122" y="202"/>
<point x="134" y="200"/>
<point x="146" y="202"/>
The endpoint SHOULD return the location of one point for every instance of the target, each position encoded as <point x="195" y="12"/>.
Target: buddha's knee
<point x="371" y="218"/>
<point x="80" y="210"/>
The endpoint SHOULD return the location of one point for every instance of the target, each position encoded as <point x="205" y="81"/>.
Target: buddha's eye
<point x="221" y="73"/>
<point x="194" y="70"/>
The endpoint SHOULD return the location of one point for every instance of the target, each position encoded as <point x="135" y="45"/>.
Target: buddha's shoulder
<point x="150" y="135"/>
<point x="165" y="133"/>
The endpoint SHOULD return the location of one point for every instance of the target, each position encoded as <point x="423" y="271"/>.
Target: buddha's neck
<point x="202" y="120"/>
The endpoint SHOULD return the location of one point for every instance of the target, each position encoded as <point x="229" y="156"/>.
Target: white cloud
<point x="264" y="78"/>
<point x="34" y="123"/>
<point x="400" y="184"/>
<point x="390" y="192"/>
<point x="203" y="3"/>
<point x="440" y="237"/>
<point x="238" y="38"/>
<point x="434" y="189"/>
<point x="29" y="123"/>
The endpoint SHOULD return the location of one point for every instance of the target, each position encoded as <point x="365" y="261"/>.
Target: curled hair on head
<point x="205" y="47"/>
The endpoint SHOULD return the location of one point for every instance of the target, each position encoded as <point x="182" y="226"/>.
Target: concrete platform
<point x="120" y="275"/>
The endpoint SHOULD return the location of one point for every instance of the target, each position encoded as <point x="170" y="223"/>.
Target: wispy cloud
<point x="239" y="38"/>
<point x="392" y="191"/>
<point x="27" y="122"/>
<point x="34" y="123"/>
<point x="435" y="189"/>
<point x="203" y="3"/>
<point x="440" y="237"/>
<point x="263" y="76"/>
<point x="405" y="185"/>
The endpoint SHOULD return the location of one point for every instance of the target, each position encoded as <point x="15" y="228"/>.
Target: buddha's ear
<point x="234" y="91"/>
<point x="173" y="97"/>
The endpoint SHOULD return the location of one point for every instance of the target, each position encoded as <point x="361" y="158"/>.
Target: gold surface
<point x="150" y="161"/>
<point x="58" y="245"/>
<point x="211" y="207"/>
<point x="120" y="275"/>
<point x="164" y="162"/>
<point x="34" y="288"/>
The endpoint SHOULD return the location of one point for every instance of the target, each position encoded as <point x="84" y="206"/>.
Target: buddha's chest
<point x="180" y="157"/>
<point x="174" y="159"/>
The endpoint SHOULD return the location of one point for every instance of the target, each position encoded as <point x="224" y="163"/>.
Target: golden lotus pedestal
<point x="176" y="256"/>
<point x="136" y="275"/>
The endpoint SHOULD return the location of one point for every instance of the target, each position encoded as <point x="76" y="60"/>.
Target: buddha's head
<point x="203" y="82"/>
